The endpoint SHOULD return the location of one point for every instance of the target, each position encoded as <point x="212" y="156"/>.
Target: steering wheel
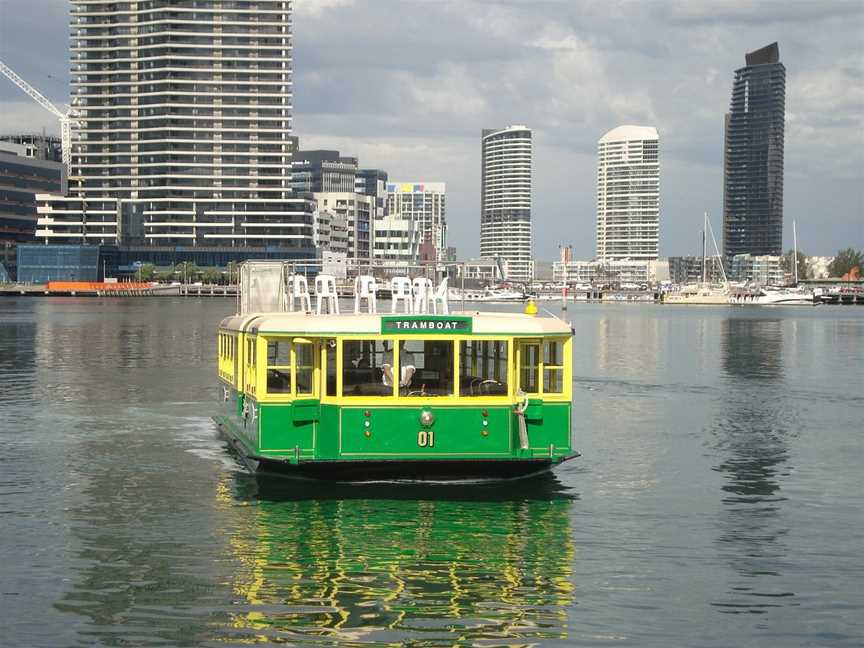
<point x="421" y="392"/>
<point x="486" y="384"/>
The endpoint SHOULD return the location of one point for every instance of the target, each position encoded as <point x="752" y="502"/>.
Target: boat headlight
<point x="427" y="418"/>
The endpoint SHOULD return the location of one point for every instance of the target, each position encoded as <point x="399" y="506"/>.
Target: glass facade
<point x="40" y="264"/>
<point x="753" y="157"/>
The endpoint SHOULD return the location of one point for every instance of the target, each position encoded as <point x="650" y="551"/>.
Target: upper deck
<point x="455" y="324"/>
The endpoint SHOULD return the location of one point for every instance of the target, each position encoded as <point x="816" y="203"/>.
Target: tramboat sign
<point x="434" y="324"/>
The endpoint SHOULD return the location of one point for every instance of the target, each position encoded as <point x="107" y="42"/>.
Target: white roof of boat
<point x="483" y="322"/>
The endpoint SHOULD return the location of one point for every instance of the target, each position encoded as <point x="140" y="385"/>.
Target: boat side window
<point x="426" y="368"/>
<point x="330" y="387"/>
<point x="365" y="367"/>
<point x="553" y="367"/>
<point x="483" y="368"/>
<point x="279" y="366"/>
<point x="250" y="351"/>
<point x="529" y="367"/>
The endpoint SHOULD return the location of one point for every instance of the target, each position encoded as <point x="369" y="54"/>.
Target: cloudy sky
<point x="408" y="85"/>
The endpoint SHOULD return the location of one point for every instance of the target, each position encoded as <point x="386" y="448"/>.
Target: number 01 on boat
<point x="366" y="396"/>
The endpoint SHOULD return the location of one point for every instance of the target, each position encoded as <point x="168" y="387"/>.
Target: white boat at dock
<point x="778" y="296"/>
<point x="486" y="295"/>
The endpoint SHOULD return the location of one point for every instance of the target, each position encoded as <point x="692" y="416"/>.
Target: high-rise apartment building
<point x="425" y="204"/>
<point x="753" y="157"/>
<point x="628" y="194"/>
<point x="505" y="199"/>
<point x="183" y="114"/>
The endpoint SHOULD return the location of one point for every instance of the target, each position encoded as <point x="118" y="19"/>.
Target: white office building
<point x="628" y="194"/>
<point x="397" y="239"/>
<point x="182" y="128"/>
<point x="612" y="273"/>
<point x="357" y="210"/>
<point x="505" y="200"/>
<point x="424" y="203"/>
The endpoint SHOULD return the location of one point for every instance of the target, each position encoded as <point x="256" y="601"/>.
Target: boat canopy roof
<point x="479" y="323"/>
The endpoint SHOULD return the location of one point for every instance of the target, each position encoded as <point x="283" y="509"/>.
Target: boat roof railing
<point x="286" y="286"/>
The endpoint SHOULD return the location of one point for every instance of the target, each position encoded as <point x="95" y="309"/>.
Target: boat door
<point x="528" y="370"/>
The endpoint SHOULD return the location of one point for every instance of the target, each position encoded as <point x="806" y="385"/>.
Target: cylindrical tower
<point x="505" y="201"/>
<point x="628" y="194"/>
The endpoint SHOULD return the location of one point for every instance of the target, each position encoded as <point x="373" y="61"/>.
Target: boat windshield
<point x="426" y="367"/>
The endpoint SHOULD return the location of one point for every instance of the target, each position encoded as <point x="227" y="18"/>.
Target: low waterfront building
<point x="688" y="269"/>
<point x="482" y="270"/>
<point x="41" y="263"/>
<point x="615" y="273"/>
<point x="425" y="203"/>
<point x="761" y="270"/>
<point x="23" y="175"/>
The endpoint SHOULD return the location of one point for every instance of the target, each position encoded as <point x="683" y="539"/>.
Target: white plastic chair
<point x="400" y="287"/>
<point x="365" y="287"/>
<point x="440" y="298"/>
<point x="298" y="290"/>
<point x="422" y="294"/>
<point x="325" y="290"/>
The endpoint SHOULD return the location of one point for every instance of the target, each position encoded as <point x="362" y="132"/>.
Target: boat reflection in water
<point x="403" y="563"/>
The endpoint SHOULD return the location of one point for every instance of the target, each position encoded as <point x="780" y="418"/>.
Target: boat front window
<point x="363" y="367"/>
<point x="529" y="363"/>
<point x="553" y="367"/>
<point x="304" y="356"/>
<point x="483" y="368"/>
<point x="426" y="368"/>
<point x="279" y="367"/>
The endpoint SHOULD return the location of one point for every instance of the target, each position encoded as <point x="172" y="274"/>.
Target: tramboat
<point x="368" y="396"/>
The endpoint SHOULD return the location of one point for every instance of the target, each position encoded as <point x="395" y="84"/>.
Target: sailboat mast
<point x="704" y="245"/>
<point x="795" y="252"/>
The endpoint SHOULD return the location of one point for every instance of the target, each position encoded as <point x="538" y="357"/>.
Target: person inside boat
<point x="407" y="364"/>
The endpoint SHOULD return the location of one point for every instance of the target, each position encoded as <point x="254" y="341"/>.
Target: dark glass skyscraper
<point x="753" y="157"/>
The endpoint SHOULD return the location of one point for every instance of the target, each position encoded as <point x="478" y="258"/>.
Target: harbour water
<point x="718" y="501"/>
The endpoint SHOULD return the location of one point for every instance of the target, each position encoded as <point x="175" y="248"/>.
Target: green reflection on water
<point x="390" y="564"/>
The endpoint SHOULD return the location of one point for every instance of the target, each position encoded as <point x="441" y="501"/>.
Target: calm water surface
<point x="718" y="501"/>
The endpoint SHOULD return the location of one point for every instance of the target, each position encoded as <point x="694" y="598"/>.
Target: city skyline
<point x="572" y="74"/>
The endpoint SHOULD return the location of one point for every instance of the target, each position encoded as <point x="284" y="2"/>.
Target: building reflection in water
<point x="403" y="563"/>
<point x="754" y="422"/>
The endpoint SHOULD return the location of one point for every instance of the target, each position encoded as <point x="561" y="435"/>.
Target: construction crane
<point x="66" y="119"/>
